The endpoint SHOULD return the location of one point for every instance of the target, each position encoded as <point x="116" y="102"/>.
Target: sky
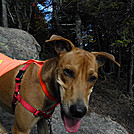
<point x="48" y="17"/>
<point x="46" y="9"/>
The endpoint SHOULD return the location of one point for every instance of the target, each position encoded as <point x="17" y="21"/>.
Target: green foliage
<point x="122" y="43"/>
<point x="129" y="21"/>
<point x="125" y="32"/>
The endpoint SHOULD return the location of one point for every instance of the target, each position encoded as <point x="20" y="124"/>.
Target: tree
<point x="0" y="13"/>
<point x="78" y="24"/>
<point x="131" y="31"/>
<point x="4" y="14"/>
<point x="100" y="25"/>
<point x="19" y="13"/>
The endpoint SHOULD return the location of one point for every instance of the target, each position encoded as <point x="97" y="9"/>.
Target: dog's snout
<point x="78" y="110"/>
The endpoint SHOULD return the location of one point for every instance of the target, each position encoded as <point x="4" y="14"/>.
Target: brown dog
<point x="69" y="78"/>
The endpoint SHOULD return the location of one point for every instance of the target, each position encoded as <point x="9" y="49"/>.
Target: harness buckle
<point x="20" y="74"/>
<point x="37" y="113"/>
<point x="17" y="96"/>
<point x="16" y="93"/>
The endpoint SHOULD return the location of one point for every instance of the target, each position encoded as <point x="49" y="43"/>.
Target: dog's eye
<point x="68" y="72"/>
<point x="92" y="79"/>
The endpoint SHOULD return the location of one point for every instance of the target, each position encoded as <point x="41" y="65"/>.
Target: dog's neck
<point x="48" y="75"/>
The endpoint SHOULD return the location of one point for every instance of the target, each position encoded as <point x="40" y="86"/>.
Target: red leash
<point x="17" y="97"/>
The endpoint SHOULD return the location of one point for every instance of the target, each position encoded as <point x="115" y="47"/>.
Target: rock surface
<point x="18" y="44"/>
<point x="91" y="124"/>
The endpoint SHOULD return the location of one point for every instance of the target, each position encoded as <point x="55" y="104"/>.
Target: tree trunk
<point x="78" y="27"/>
<point x="4" y="14"/>
<point x="29" y="18"/>
<point x="131" y="67"/>
<point x="119" y="69"/>
<point x="0" y="13"/>
<point x="56" y="19"/>
<point x="61" y="3"/>
<point x="18" y="15"/>
<point x="130" y="84"/>
<point x="98" y="37"/>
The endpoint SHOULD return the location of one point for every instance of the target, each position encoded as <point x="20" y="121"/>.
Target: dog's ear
<point x="62" y="45"/>
<point x="100" y="58"/>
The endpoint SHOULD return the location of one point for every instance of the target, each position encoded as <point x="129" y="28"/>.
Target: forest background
<point x="93" y="25"/>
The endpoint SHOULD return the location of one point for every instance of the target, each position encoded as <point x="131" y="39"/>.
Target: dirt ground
<point x="108" y="99"/>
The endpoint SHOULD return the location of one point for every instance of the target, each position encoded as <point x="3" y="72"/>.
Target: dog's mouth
<point x="72" y="125"/>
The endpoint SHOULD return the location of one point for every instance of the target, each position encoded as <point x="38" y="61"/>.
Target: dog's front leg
<point x="42" y="126"/>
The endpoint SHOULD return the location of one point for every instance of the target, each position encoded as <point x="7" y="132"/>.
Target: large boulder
<point x="18" y="44"/>
<point x="91" y="124"/>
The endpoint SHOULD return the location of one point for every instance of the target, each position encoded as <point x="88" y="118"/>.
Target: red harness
<point x="17" y="97"/>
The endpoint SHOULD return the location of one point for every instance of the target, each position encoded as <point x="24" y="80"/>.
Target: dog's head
<point x="77" y="72"/>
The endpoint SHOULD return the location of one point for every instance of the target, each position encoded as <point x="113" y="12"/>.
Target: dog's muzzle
<point x="78" y="110"/>
<point x="72" y="116"/>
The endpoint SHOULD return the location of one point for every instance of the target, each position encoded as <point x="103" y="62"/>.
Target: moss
<point x="4" y="44"/>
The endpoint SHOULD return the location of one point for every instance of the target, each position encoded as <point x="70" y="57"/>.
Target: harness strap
<point x="47" y="114"/>
<point x="44" y="87"/>
<point x="17" y="97"/>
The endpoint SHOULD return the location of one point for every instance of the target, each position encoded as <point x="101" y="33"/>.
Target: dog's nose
<point x="78" y="110"/>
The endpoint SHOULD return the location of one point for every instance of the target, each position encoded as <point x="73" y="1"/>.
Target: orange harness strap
<point x="44" y="86"/>
<point x="17" y="97"/>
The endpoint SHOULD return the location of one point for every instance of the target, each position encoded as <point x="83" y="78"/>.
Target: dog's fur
<point x="69" y="77"/>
